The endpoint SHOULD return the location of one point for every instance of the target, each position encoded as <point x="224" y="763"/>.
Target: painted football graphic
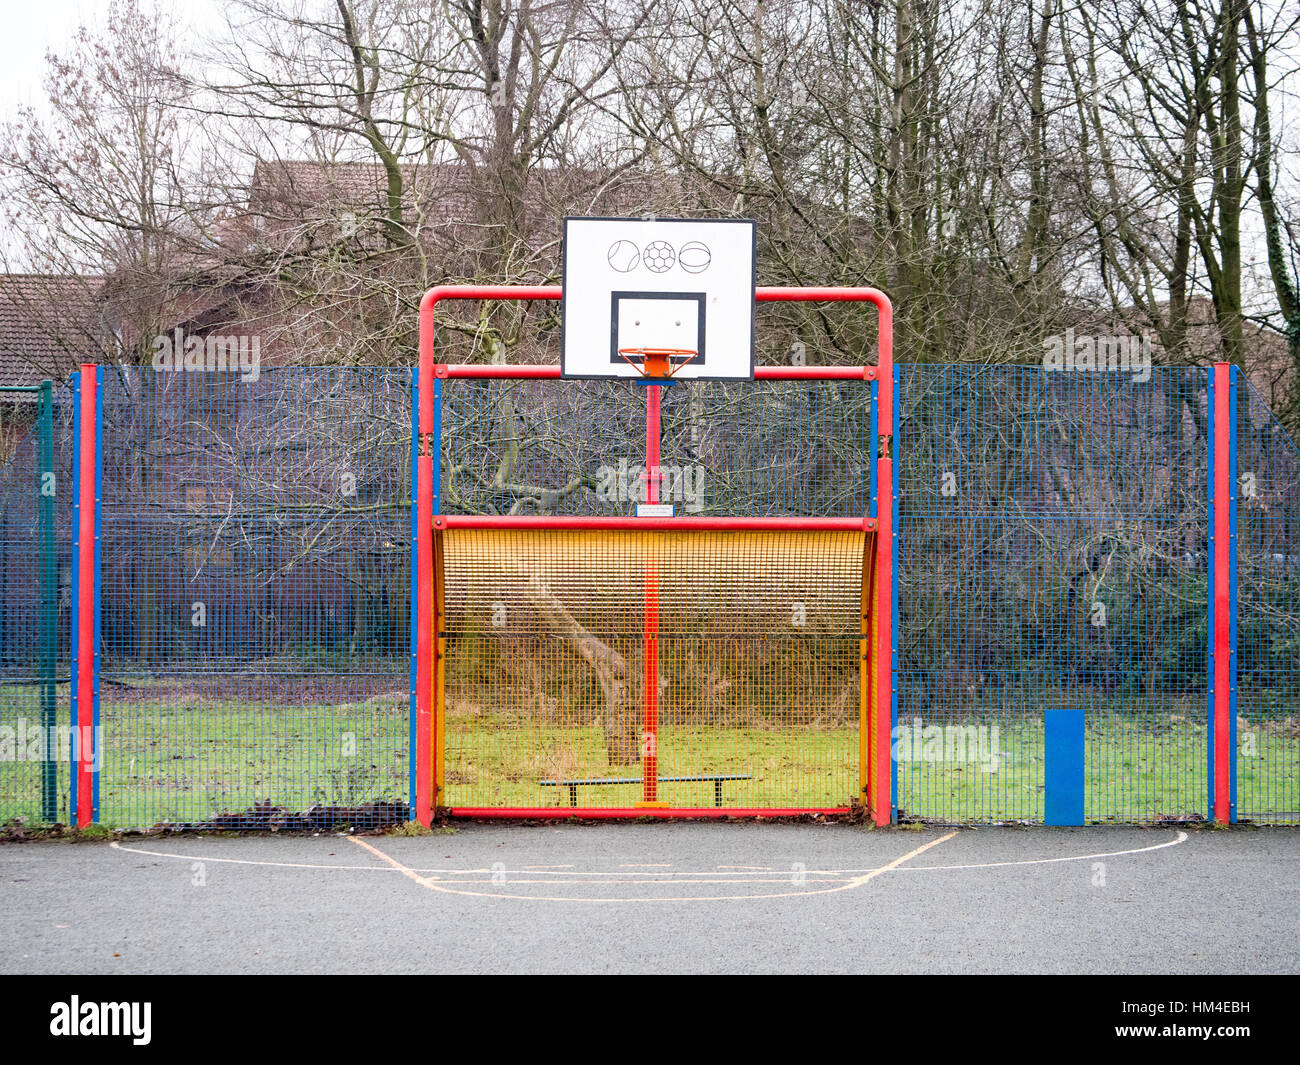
<point x="659" y="257"/>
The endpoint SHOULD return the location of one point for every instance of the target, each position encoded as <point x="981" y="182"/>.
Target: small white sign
<point x="654" y="510"/>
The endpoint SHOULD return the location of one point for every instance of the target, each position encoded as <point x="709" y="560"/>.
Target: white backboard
<point x="668" y="283"/>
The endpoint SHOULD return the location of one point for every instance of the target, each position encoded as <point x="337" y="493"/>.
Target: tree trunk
<point x="619" y="683"/>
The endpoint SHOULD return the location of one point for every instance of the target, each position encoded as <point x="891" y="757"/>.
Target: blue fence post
<point x="1063" y="751"/>
<point x="874" y="431"/>
<point x="435" y="445"/>
<point x="435" y="454"/>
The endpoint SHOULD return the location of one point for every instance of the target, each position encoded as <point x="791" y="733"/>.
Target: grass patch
<point x="409" y="828"/>
<point x="177" y="757"/>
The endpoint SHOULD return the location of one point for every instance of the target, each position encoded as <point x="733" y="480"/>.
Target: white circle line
<point x="739" y="875"/>
<point x="432" y="884"/>
<point x="119" y="846"/>
<point x="1180" y="838"/>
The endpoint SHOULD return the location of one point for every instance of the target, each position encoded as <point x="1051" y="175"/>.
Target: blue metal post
<point x="1063" y="750"/>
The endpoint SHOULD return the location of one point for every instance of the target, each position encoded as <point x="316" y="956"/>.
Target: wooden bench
<point x="574" y="785"/>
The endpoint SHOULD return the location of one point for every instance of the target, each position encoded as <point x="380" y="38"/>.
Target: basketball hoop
<point x="656" y="366"/>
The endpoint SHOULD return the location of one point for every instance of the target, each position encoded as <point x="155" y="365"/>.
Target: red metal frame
<point x="881" y="776"/>
<point x="1222" y="593"/>
<point x="85" y="679"/>
<point x="703" y="524"/>
<point x="883" y="622"/>
<point x="554" y="813"/>
<point x="516" y="372"/>
<point x="650" y="625"/>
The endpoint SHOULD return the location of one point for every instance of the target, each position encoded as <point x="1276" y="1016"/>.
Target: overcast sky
<point x="34" y="27"/>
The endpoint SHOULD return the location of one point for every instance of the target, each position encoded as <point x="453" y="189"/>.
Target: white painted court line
<point x="567" y="874"/>
<point x="119" y="846"/>
<point x="1181" y="837"/>
<point x="850" y="885"/>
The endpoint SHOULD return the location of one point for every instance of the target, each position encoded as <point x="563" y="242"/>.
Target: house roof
<point x="283" y="190"/>
<point x="48" y="325"/>
<point x="452" y="193"/>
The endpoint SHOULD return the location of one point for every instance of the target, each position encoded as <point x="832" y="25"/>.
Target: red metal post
<point x="882" y="717"/>
<point x="652" y="442"/>
<point x="1222" y="592"/>
<point x="84" y="736"/>
<point x="650" y="680"/>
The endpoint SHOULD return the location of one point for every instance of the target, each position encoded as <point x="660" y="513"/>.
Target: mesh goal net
<point x="598" y="669"/>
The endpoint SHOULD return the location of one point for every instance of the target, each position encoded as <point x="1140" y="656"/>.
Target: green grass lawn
<point x="170" y="757"/>
<point x="490" y="762"/>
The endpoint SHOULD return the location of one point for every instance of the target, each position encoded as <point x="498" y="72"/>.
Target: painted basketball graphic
<point x="624" y="256"/>
<point x="659" y="257"/>
<point x="694" y="257"/>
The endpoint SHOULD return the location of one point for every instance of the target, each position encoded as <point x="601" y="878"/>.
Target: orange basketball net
<point x="658" y="362"/>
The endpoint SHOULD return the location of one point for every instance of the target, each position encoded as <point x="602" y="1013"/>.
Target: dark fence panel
<point x="1053" y="554"/>
<point x="1268" y="615"/>
<point x="255" y="598"/>
<point x="36" y="516"/>
<point x="754" y="448"/>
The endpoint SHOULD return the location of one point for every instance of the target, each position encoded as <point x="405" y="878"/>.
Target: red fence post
<point x="882" y="719"/>
<point x="83" y="725"/>
<point x="1223" y="547"/>
<point x="882" y="802"/>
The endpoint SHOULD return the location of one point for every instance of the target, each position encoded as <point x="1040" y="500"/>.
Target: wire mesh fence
<point x="35" y="574"/>
<point x="256" y="595"/>
<point x="1052" y="540"/>
<point x="255" y="612"/>
<point x="756" y="448"/>
<point x="1268" y="612"/>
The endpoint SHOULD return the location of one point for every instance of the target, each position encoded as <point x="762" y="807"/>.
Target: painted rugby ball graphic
<point x="694" y="257"/>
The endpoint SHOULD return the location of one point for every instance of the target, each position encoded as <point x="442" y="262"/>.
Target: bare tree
<point x="113" y="182"/>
